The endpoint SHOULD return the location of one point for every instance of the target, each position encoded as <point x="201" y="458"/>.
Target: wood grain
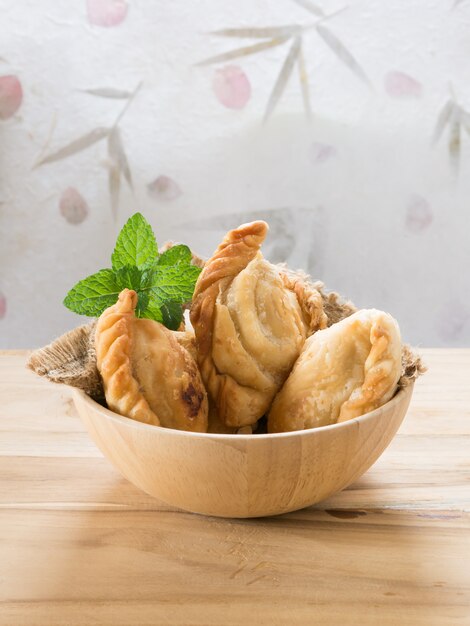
<point x="242" y="476"/>
<point x="80" y="545"/>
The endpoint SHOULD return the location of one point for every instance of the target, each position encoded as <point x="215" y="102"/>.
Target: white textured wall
<point x="357" y="194"/>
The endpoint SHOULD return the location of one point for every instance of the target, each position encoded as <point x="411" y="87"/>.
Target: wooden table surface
<point x="81" y="545"/>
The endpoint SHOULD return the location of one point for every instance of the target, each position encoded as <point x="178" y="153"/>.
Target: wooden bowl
<point x="242" y="475"/>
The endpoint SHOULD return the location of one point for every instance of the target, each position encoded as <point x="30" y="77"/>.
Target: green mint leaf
<point x="163" y="283"/>
<point x="135" y="245"/>
<point x="174" y="283"/>
<point x="94" y="294"/>
<point x="142" y="303"/>
<point x="176" y="254"/>
<point x="139" y="280"/>
<point x="129" y="276"/>
<point x="133" y="278"/>
<point x="172" y="313"/>
<point x="152" y="312"/>
<point x="146" y="279"/>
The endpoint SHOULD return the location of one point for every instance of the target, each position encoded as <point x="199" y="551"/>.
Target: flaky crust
<point x="309" y="299"/>
<point x="113" y="359"/>
<point x="237" y="249"/>
<point x="382" y="369"/>
<point x="342" y="372"/>
<point x="148" y="374"/>
<point x="249" y="326"/>
<point x="335" y="307"/>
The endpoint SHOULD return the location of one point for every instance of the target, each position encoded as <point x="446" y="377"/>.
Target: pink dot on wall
<point x="73" y="206"/>
<point x="231" y="87"/>
<point x="419" y="214"/>
<point x="164" y="188"/>
<point x="3" y="306"/>
<point x="106" y="12"/>
<point x="11" y="96"/>
<point x="402" y="86"/>
<point x="321" y="152"/>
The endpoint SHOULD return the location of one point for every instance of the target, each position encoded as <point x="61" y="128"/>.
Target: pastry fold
<point x="148" y="371"/>
<point x="250" y="325"/>
<point x="344" y="371"/>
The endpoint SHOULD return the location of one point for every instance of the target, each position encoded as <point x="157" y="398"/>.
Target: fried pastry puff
<point x="342" y="372"/>
<point x="148" y="371"/>
<point x="249" y="326"/>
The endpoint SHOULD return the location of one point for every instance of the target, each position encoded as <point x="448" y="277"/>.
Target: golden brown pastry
<point x="148" y="374"/>
<point x="216" y="425"/>
<point x="310" y="299"/>
<point x="335" y="307"/>
<point x="342" y="372"/>
<point x="249" y="326"/>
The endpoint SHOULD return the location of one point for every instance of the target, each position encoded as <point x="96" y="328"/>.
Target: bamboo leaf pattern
<point x="465" y="120"/>
<point x="311" y="7"/>
<point x="273" y="36"/>
<point x="268" y="32"/>
<point x="304" y="85"/>
<point x="128" y="104"/>
<point x="108" y="92"/>
<point x="243" y="52"/>
<point x="283" y="77"/>
<point x="82" y="143"/>
<point x="455" y="145"/>
<point x="454" y="118"/>
<point x="442" y="120"/>
<point x="118" y="163"/>
<point x="118" y="155"/>
<point x="341" y="52"/>
<point x="114" y="185"/>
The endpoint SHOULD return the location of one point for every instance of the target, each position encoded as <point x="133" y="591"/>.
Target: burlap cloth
<point x="71" y="359"/>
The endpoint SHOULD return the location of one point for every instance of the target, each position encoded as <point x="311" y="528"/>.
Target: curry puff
<point x="148" y="371"/>
<point x="344" y="371"/>
<point x="250" y="323"/>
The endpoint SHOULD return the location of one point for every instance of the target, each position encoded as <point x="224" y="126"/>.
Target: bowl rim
<point x="400" y="395"/>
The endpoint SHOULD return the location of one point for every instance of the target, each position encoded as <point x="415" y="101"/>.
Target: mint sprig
<point x="135" y="245"/>
<point x="94" y="294"/>
<point x="163" y="282"/>
<point x="175" y="255"/>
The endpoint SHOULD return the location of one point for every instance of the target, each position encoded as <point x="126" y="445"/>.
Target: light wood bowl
<point x="242" y="475"/>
